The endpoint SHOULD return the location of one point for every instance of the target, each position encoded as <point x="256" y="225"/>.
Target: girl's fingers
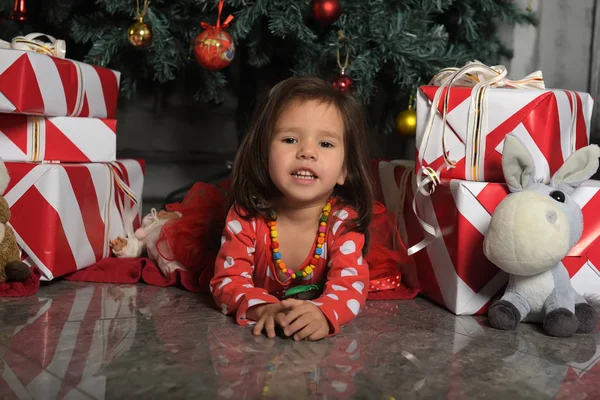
<point x="296" y="313"/>
<point x="308" y="330"/>
<point x="298" y="324"/>
<point x="270" y="327"/>
<point x="259" y="326"/>
<point x="321" y="333"/>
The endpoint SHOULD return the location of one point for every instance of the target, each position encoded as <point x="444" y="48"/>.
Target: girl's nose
<point x="307" y="152"/>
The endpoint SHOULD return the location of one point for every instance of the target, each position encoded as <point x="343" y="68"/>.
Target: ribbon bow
<point x="225" y="24"/>
<point x="56" y="48"/>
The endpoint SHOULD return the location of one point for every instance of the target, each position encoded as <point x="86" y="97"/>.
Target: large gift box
<point x="451" y="269"/>
<point x="461" y="125"/>
<point x="64" y="215"/>
<point x="35" y="83"/>
<point x="65" y="139"/>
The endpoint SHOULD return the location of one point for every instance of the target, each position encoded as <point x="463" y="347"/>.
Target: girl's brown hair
<point x="252" y="191"/>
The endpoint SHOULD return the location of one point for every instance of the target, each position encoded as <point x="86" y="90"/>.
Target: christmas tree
<point x="391" y="45"/>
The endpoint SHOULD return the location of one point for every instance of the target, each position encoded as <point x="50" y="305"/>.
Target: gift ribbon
<point x="55" y="48"/>
<point x="225" y="24"/>
<point x="481" y="78"/>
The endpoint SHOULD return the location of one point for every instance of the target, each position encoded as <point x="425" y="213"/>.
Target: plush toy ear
<point x="4" y="178"/>
<point x="517" y="164"/>
<point x="579" y="167"/>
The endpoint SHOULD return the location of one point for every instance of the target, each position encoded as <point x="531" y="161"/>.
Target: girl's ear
<point x="342" y="179"/>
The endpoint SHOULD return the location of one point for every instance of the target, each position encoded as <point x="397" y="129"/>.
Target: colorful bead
<point x="277" y="258"/>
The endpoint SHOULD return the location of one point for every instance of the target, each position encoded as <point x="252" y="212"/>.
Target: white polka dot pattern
<point x="224" y="282"/>
<point x="359" y="286"/>
<point x="246" y="275"/>
<point x="238" y="297"/>
<point x="333" y="296"/>
<point x="349" y="272"/>
<point x="341" y="214"/>
<point x="250" y="250"/>
<point x="223" y="240"/>
<point x="255" y="302"/>
<point x="348" y="247"/>
<point x="234" y="226"/>
<point x="229" y="262"/>
<point x="354" y="306"/>
<point x="336" y="226"/>
<point x="338" y="288"/>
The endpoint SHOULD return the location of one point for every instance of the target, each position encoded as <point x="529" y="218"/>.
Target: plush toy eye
<point x="558" y="196"/>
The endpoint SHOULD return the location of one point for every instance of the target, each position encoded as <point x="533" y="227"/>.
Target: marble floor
<point x="93" y="341"/>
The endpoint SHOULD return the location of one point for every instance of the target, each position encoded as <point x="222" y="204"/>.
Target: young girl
<point x="301" y="207"/>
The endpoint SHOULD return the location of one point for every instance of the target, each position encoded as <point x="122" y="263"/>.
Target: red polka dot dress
<point x="245" y="274"/>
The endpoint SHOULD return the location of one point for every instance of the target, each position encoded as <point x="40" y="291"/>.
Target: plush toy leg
<point x="507" y="312"/>
<point x="587" y="316"/>
<point x="560" y="319"/>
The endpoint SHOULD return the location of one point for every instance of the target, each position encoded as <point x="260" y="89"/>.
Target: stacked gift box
<point x="445" y="201"/>
<point x="68" y="194"/>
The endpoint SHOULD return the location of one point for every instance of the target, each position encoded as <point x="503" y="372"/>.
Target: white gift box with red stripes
<point x="63" y="139"/>
<point x="64" y="215"/>
<point x="35" y="83"/>
<point x="551" y="123"/>
<point x="452" y="269"/>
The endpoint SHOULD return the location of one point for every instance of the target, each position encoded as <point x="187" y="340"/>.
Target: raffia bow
<point x="55" y="48"/>
<point x="225" y="23"/>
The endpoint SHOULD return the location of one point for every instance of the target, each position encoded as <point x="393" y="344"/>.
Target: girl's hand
<point x="304" y="320"/>
<point x="266" y="316"/>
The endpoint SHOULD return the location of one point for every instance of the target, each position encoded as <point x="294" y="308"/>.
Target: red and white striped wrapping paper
<point x="542" y="119"/>
<point x="452" y="270"/>
<point x="64" y="215"/>
<point x="34" y="83"/>
<point x="65" y="139"/>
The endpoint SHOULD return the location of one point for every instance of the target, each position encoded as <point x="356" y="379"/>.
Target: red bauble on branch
<point x="214" y="48"/>
<point x="326" y="11"/>
<point x="343" y="83"/>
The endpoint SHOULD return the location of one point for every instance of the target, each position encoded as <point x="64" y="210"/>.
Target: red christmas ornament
<point x="343" y="83"/>
<point x="214" y="48"/>
<point x="19" y="11"/>
<point x="326" y="11"/>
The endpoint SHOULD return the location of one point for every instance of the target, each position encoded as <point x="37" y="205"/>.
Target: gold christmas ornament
<point x="139" y="33"/>
<point x="406" y="121"/>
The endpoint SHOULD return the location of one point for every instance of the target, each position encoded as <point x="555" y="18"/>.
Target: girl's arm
<point x="232" y="286"/>
<point x="347" y="284"/>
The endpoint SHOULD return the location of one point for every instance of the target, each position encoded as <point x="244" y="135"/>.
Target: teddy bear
<point x="11" y="266"/>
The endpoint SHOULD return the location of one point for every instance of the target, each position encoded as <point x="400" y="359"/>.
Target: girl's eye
<point x="290" y="140"/>
<point x="326" y="145"/>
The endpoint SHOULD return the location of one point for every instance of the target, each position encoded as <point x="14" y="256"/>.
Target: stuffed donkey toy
<point x="531" y="231"/>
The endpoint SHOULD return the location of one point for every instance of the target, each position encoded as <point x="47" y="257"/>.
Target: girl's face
<point x="306" y="157"/>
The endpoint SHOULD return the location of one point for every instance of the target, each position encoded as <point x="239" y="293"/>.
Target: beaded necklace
<point x="303" y="272"/>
